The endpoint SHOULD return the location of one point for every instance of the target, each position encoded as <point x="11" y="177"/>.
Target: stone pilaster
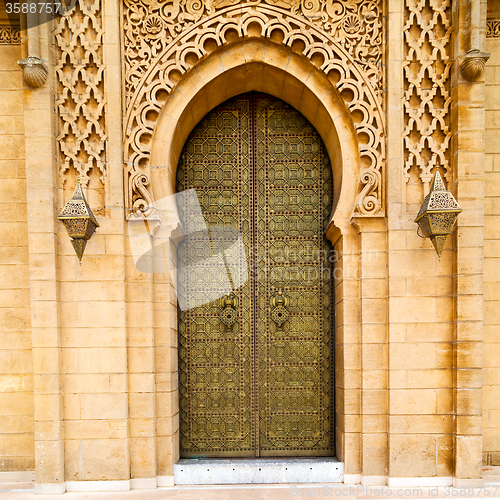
<point x="347" y="352"/>
<point x="468" y="120"/>
<point x="41" y="182"/>
<point x="372" y="275"/>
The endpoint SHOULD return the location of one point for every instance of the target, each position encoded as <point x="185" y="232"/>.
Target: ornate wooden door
<point x="263" y="385"/>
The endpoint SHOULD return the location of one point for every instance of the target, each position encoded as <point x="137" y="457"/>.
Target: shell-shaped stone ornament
<point x="352" y="24"/>
<point x="473" y="64"/>
<point x="34" y="71"/>
<point x="153" y="25"/>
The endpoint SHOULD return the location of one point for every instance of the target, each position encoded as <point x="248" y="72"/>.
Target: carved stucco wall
<point x="344" y="38"/>
<point x="80" y="99"/>
<point x="427" y="98"/>
<point x="163" y="40"/>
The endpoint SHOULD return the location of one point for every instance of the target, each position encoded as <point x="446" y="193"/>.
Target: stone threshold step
<point x="258" y="470"/>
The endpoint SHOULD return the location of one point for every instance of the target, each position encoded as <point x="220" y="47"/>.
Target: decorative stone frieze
<point x="162" y="41"/>
<point x="10" y="36"/>
<point x="80" y="98"/>
<point x="493" y="29"/>
<point x="427" y="31"/>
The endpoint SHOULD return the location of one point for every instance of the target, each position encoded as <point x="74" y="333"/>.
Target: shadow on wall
<point x="493" y="9"/>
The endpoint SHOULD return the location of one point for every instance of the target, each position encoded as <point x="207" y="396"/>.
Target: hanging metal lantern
<point x="78" y="220"/>
<point x="438" y="214"/>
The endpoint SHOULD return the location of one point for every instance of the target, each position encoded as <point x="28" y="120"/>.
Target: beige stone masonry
<point x="347" y="351"/>
<point x="41" y="181"/>
<point x="103" y="395"/>
<point x="372" y="278"/>
<point x="491" y="370"/>
<point x="17" y="449"/>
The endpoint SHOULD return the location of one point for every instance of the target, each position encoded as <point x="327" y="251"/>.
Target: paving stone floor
<point x="24" y="491"/>
<point x="491" y="489"/>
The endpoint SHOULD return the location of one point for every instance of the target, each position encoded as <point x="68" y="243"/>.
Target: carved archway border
<point x="256" y="65"/>
<point x="147" y="94"/>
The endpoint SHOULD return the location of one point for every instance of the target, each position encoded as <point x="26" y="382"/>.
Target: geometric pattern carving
<point x="427" y="31"/>
<point x="342" y="38"/>
<point x="492" y="29"/>
<point x="80" y="101"/>
<point x="256" y="388"/>
<point x="10" y="36"/>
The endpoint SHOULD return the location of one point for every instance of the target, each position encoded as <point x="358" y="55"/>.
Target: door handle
<point x="229" y="315"/>
<point x="279" y="311"/>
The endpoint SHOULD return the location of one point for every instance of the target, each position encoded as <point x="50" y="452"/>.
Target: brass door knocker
<point x="279" y="313"/>
<point x="229" y="315"/>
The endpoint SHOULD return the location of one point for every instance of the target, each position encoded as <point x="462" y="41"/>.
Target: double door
<point x="256" y="365"/>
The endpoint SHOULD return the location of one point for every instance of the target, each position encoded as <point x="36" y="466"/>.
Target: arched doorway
<point x="256" y="367"/>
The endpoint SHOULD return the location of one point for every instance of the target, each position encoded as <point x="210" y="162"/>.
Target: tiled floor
<point x="24" y="491"/>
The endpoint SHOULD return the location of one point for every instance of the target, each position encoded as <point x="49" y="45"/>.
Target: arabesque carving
<point x="427" y="31"/>
<point x="10" y="36"/>
<point x="164" y="39"/>
<point x="493" y="29"/>
<point x="80" y="101"/>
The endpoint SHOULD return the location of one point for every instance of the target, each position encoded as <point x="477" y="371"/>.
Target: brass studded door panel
<point x="261" y="386"/>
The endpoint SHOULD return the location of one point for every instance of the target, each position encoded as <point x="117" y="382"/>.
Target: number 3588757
<point x="34" y="7"/>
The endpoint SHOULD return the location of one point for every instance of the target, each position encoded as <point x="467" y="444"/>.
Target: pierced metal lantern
<point x="78" y="220"/>
<point x="438" y="214"/>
